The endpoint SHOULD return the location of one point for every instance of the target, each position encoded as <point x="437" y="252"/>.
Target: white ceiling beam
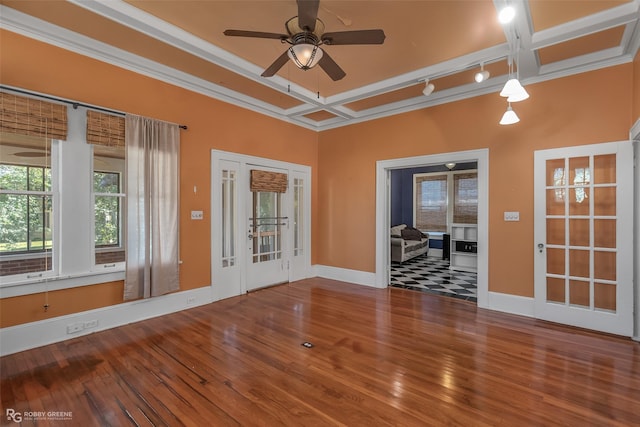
<point x="610" y="18"/>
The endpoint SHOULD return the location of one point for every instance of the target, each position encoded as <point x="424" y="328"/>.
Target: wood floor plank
<point x="379" y="357"/>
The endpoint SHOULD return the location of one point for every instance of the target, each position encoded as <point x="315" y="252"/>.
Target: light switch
<point x="197" y="215"/>
<point x="512" y="216"/>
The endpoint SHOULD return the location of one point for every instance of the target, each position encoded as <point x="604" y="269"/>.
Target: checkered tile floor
<point x="432" y="275"/>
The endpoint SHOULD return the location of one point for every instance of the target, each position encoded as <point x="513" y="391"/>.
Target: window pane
<point x="13" y="223"/>
<point x="26" y="204"/>
<point x="109" y="219"/>
<point x="106" y="182"/>
<point x="13" y="177"/>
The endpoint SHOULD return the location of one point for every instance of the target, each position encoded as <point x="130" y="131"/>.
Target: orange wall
<point x="39" y="67"/>
<point x="568" y="111"/>
<point x="29" y="308"/>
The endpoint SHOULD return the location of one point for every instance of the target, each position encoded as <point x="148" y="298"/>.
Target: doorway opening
<point x="439" y="201"/>
<point x="383" y="212"/>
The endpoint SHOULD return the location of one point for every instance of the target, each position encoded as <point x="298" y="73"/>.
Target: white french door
<point x="261" y="236"/>
<point x="584" y="244"/>
<point x="268" y="252"/>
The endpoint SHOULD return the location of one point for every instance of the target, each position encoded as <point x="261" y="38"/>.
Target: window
<point x="26" y="205"/>
<point x="442" y="199"/>
<point x="465" y="198"/>
<point x="430" y="202"/>
<point x="108" y="202"/>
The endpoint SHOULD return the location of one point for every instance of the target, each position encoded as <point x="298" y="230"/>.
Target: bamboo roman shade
<point x="465" y="194"/>
<point x="33" y="117"/>
<point x="431" y="202"/>
<point x="268" y="181"/>
<point x="105" y="129"/>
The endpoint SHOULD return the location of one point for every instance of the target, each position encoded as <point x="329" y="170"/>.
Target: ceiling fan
<point x="305" y="34"/>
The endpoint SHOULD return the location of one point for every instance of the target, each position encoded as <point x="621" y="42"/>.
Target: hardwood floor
<point x="380" y="357"/>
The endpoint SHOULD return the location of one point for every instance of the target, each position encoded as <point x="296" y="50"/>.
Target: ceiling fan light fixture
<point x="509" y="117"/>
<point x="506" y="14"/>
<point x="305" y="55"/>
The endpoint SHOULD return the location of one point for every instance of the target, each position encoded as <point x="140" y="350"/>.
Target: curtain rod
<point x="74" y="104"/>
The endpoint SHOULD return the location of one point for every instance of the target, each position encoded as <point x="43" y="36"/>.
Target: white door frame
<point x="634" y="136"/>
<point x="235" y="284"/>
<point x="620" y="322"/>
<point x="383" y="216"/>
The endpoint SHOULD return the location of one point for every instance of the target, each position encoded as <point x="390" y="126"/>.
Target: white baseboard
<point x="346" y="275"/>
<point x="35" y="334"/>
<point x="514" y="304"/>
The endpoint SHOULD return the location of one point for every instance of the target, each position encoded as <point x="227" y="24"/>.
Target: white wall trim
<point x="357" y="277"/>
<point x="513" y="304"/>
<point x="35" y="334"/>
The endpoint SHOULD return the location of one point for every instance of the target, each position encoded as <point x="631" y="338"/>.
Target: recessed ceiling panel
<point x="319" y="116"/>
<point x="547" y="13"/>
<point x="581" y="46"/>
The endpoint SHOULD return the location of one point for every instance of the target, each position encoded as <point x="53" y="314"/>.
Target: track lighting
<point x="481" y="75"/>
<point x="428" y="88"/>
<point x="509" y="117"/>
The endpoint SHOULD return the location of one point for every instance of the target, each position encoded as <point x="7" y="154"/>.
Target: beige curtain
<point x="153" y="152"/>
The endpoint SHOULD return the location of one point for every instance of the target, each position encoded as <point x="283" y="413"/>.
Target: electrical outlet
<point x="197" y="215"/>
<point x="75" y="327"/>
<point x="512" y="216"/>
<point x="91" y="324"/>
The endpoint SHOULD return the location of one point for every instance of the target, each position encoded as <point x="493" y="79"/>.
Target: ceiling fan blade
<point x="277" y="64"/>
<point x="354" y="37"/>
<point x="258" y="34"/>
<point x="307" y="14"/>
<point x="330" y="67"/>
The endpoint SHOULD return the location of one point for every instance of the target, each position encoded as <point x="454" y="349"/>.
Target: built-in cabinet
<point x="464" y="247"/>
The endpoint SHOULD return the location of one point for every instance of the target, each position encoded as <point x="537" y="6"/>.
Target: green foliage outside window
<point x="25" y="218"/>
<point x="107" y="208"/>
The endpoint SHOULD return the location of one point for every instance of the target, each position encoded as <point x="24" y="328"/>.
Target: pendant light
<point x="513" y="90"/>
<point x="509" y="117"/>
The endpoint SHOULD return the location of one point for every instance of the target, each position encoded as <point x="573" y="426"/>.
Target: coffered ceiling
<point x="182" y="42"/>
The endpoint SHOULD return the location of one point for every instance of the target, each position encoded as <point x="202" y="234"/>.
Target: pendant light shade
<point x="305" y="55"/>
<point x="509" y="117"/>
<point x="513" y="91"/>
